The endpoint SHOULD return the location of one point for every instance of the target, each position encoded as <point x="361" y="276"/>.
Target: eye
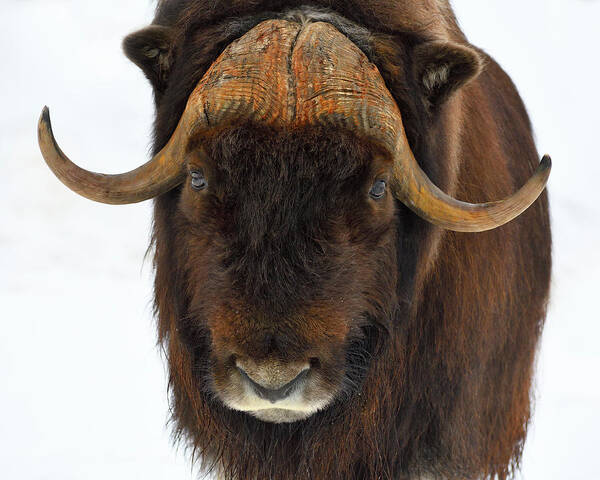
<point x="378" y="189"/>
<point x="198" y="180"/>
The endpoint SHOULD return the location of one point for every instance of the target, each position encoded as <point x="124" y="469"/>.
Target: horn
<point x="414" y="188"/>
<point x="343" y="88"/>
<point x="164" y="172"/>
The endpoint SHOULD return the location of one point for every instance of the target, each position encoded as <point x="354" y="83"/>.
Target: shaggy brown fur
<point x="434" y="332"/>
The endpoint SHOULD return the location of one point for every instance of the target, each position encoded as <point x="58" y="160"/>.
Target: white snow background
<point x="82" y="384"/>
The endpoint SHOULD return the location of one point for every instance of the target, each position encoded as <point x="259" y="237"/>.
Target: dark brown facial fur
<point x="285" y="255"/>
<point x="424" y="339"/>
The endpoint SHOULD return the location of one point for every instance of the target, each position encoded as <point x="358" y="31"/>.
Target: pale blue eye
<point x="198" y="180"/>
<point x="378" y="189"/>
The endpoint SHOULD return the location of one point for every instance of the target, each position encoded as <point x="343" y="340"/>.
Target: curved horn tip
<point x="45" y="125"/>
<point x="45" y="117"/>
<point x="546" y="163"/>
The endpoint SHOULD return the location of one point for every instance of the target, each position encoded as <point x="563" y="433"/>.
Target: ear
<point x="150" y="49"/>
<point x="441" y="68"/>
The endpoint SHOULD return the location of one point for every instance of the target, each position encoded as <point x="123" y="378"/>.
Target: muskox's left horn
<point x="159" y="175"/>
<point x="414" y="188"/>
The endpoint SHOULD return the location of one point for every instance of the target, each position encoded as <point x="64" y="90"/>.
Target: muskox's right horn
<point x="164" y="172"/>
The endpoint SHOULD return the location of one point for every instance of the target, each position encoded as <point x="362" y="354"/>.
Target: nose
<point x="272" y="380"/>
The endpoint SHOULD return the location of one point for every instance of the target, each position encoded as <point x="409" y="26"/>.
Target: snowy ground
<point x="82" y="392"/>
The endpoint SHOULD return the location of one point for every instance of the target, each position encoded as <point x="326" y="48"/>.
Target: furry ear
<point x="150" y="49"/>
<point x="443" y="67"/>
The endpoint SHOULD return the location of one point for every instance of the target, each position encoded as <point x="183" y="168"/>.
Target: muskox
<point x="328" y="307"/>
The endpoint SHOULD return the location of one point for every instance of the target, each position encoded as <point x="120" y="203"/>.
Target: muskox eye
<point x="198" y="180"/>
<point x="378" y="189"/>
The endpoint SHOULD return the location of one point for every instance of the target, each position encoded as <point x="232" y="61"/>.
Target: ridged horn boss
<point x="330" y="82"/>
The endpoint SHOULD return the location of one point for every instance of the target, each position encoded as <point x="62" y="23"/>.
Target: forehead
<point x="251" y="153"/>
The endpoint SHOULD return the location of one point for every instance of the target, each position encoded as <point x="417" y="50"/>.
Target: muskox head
<point x="276" y="231"/>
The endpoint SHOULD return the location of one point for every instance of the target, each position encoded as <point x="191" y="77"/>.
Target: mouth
<point x="275" y="395"/>
<point x="266" y="394"/>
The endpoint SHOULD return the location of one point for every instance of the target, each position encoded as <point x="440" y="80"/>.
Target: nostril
<point x="271" y="394"/>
